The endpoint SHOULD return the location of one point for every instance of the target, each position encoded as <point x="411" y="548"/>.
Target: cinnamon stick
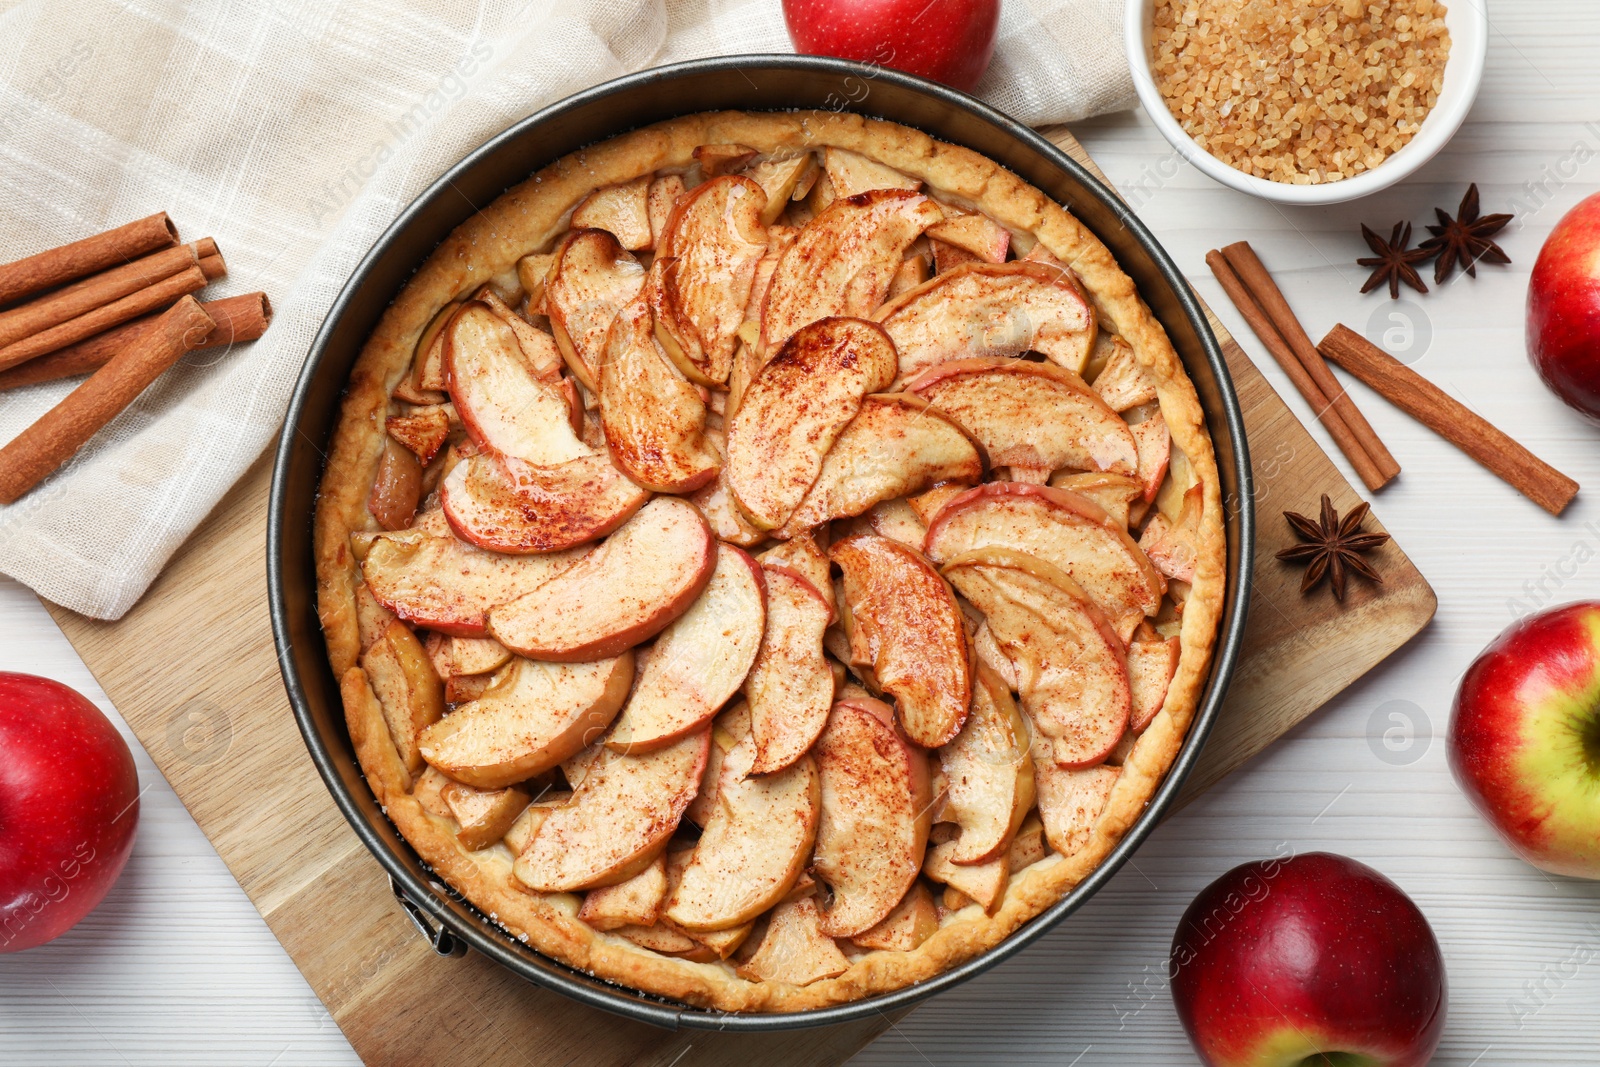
<point x="88" y="256"/>
<point x="210" y="258"/>
<point x="1450" y="419"/>
<point x="1349" y="443"/>
<point x="102" y="318"/>
<point x="43" y="447"/>
<point x="1244" y="261"/>
<point x="80" y="298"/>
<point x="238" y="319"/>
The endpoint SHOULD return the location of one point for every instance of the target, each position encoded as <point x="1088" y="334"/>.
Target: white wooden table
<point x="176" y="967"/>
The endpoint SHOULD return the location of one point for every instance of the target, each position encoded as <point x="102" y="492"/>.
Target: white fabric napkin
<point x="294" y="131"/>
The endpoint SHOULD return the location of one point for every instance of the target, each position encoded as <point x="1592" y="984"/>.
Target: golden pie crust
<point x="529" y="218"/>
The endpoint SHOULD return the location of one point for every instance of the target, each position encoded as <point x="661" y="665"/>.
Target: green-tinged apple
<point x="1313" y="961"/>
<point x="1524" y="740"/>
<point x="69" y="805"/>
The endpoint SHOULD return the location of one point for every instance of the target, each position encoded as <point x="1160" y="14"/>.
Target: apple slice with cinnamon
<point x="991" y="309"/>
<point x="794" y="409"/>
<point x="407" y="689"/>
<point x="1122" y="383"/>
<point x="423" y="430"/>
<point x="896" y="446"/>
<point x="620" y="210"/>
<point x="1028" y="414"/>
<point x="654" y="419"/>
<point x="842" y="261"/>
<point x="627" y="590"/>
<point x="873" y="829"/>
<point x="503" y="404"/>
<point x="1072" y="801"/>
<point x="978" y="234"/>
<point x="1062" y="528"/>
<point x="1115" y="493"/>
<point x="708" y="252"/>
<point x="506" y="504"/>
<point x="790" y="687"/>
<point x="727" y="730"/>
<point x="982" y="883"/>
<point x="700" y="660"/>
<point x="753" y="846"/>
<point x="803" y="556"/>
<point x="1174" y="546"/>
<point x="1154" y="443"/>
<point x="591" y="279"/>
<point x="619" y="819"/>
<point x="852" y="173"/>
<point x="1152" y="663"/>
<point x="1071" y="672"/>
<point x="538" y="347"/>
<point x="794" y="948"/>
<point x="485" y="815"/>
<point x="988" y="774"/>
<point x="905" y="625"/>
<point x="898" y="520"/>
<point x="636" y="902"/>
<point x="779" y="178"/>
<point x="429" y="577"/>
<point x="532" y="717"/>
<point x="660" y="200"/>
<point x="913" y="921"/>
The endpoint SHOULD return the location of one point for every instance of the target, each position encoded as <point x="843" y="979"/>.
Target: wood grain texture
<point x="273" y="823"/>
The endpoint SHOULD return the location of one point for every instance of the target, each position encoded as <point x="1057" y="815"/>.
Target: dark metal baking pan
<point x="742" y="82"/>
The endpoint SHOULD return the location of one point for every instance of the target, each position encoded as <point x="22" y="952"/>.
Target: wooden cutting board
<point x="193" y="671"/>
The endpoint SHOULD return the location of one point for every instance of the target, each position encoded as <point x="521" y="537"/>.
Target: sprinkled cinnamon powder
<point x="1300" y="91"/>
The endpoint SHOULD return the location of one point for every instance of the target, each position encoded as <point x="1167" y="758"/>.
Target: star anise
<point x="1465" y="238"/>
<point x="1394" y="261"/>
<point x="1333" y="547"/>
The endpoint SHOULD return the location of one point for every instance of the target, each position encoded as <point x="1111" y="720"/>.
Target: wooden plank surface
<point x="273" y="823"/>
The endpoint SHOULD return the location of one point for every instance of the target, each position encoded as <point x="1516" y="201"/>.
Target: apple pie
<point x="768" y="558"/>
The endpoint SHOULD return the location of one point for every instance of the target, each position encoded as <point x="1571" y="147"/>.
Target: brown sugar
<point x="1300" y="91"/>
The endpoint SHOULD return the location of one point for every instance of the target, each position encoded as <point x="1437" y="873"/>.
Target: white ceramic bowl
<point x="1468" y="21"/>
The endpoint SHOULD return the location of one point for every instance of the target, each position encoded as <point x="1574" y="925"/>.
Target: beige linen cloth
<point x="294" y="131"/>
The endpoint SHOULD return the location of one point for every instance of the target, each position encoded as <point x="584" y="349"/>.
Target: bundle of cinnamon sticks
<point x="1246" y="281"/>
<point x="117" y="306"/>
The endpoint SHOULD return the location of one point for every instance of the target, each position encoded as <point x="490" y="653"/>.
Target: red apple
<point x="946" y="40"/>
<point x="1316" y="959"/>
<point x="1525" y="738"/>
<point x="69" y="803"/>
<point x="1564" y="309"/>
